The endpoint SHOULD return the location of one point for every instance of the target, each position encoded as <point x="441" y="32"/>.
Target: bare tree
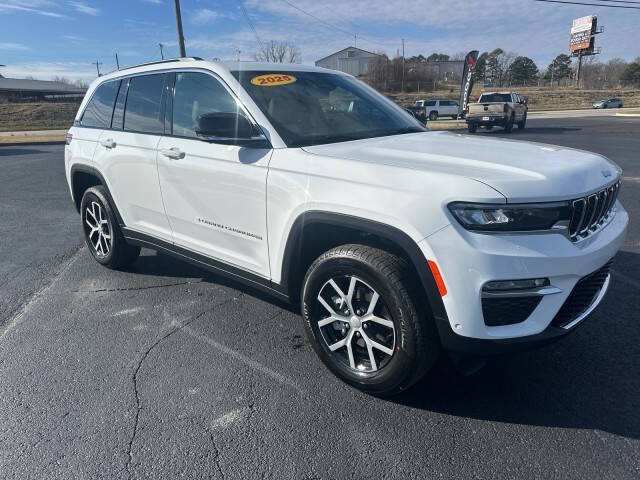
<point x="278" y="52"/>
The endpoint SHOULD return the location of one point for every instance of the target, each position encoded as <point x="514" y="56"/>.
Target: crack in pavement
<point x="216" y="454"/>
<point x="216" y="451"/>
<point x="175" y="327"/>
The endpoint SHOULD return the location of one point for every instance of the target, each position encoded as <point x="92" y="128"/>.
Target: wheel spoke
<point x="372" y="357"/>
<point x="373" y="303"/>
<point x="338" y="291"/>
<point x="98" y="245"/>
<point x="381" y="321"/>
<point x="106" y="244"/>
<point x="326" y="305"/>
<point x="352" y="362"/>
<point x="335" y="346"/>
<point x="92" y="213"/>
<point x="326" y="321"/>
<point x="352" y="287"/>
<point x="380" y="347"/>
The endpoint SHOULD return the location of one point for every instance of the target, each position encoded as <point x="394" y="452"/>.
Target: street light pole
<point x="183" y="52"/>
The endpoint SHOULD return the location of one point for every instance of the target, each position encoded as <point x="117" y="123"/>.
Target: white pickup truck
<point x="502" y="109"/>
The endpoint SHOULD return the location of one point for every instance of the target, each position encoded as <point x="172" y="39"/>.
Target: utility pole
<point x="402" y="89"/>
<point x="183" y="52"/>
<point x="97" y="64"/>
<point x="161" y="52"/>
<point x="117" y="62"/>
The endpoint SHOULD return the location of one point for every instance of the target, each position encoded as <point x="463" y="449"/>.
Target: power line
<point x="246" y="16"/>
<point x="589" y="4"/>
<point x="330" y="25"/>
<point x="620" y="1"/>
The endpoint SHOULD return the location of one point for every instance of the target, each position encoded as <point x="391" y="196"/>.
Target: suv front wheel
<point x="365" y="319"/>
<point x="102" y="233"/>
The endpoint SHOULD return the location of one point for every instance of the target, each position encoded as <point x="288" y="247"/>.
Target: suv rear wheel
<point x="102" y="232"/>
<point x="363" y="315"/>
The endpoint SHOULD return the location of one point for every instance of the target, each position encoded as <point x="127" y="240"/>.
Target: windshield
<point x="495" y="97"/>
<point x="311" y="108"/>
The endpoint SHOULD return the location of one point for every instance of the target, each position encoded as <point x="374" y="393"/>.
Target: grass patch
<point x="36" y="116"/>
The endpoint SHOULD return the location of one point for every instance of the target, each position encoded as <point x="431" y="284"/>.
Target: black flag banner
<point x="467" y="81"/>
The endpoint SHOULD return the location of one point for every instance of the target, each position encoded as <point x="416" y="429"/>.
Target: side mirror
<point x="228" y="128"/>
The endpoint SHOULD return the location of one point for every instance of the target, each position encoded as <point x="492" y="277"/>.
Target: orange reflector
<point x="437" y="277"/>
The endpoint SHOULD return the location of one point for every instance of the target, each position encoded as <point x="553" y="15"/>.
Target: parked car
<point x="504" y="109"/>
<point x="432" y="109"/>
<point x="307" y="184"/>
<point x="610" y="103"/>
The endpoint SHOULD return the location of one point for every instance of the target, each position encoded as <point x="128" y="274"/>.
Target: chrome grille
<point x="590" y="212"/>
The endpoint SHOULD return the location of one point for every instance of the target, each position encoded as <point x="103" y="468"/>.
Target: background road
<point x="167" y="371"/>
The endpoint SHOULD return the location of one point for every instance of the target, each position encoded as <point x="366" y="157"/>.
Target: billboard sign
<point x="582" y="32"/>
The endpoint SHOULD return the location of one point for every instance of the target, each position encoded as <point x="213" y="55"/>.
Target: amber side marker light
<point x="433" y="266"/>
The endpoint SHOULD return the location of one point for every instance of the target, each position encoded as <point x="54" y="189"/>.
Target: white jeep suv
<point x="308" y="184"/>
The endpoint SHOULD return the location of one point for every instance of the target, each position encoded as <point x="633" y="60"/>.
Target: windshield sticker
<point x="273" y="80"/>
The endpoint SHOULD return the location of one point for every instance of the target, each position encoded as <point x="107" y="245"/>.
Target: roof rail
<point x="169" y="60"/>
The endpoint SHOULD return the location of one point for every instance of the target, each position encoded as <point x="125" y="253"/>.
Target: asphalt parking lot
<point x="167" y="371"/>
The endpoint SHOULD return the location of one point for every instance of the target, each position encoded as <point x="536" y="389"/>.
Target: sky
<point x="47" y="38"/>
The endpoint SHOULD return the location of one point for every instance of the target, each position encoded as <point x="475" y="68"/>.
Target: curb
<point x="627" y="114"/>
<point x="18" y="144"/>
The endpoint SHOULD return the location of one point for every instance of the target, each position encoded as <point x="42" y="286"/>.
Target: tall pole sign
<point x="470" y="60"/>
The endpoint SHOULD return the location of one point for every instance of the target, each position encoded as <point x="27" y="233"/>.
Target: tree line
<point x="500" y="69"/>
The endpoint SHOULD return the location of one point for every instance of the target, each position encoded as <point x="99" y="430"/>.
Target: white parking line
<point x="242" y="358"/>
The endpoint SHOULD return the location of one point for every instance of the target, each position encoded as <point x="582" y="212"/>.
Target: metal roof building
<point x="23" y="88"/>
<point x="351" y="60"/>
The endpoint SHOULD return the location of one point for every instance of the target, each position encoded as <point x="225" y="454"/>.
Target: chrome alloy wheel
<point x="99" y="230"/>
<point x="359" y="331"/>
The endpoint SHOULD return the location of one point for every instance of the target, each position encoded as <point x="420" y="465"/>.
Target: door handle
<point x="174" y="153"/>
<point x="108" y="143"/>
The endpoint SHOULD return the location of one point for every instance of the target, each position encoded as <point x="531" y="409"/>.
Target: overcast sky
<point x="45" y="38"/>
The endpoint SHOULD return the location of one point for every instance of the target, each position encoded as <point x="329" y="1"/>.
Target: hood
<point x="521" y="171"/>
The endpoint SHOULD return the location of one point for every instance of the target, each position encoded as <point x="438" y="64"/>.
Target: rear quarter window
<point x="98" y="112"/>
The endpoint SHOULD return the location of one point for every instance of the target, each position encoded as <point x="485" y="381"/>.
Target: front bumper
<point x="467" y="261"/>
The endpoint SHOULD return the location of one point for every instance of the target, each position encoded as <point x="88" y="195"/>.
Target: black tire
<point x="509" y="126"/>
<point x="109" y="248"/>
<point x="488" y="127"/>
<point x="415" y="346"/>
<point x="605" y="106"/>
<point x="472" y="127"/>
<point x="454" y="117"/>
<point x="522" y="123"/>
<point x="433" y="115"/>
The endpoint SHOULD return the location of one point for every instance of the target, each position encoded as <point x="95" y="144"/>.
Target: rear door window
<point x="430" y="104"/>
<point x="143" y="111"/>
<point x="98" y="112"/>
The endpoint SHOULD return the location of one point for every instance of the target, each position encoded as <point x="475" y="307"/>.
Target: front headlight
<point x="509" y="218"/>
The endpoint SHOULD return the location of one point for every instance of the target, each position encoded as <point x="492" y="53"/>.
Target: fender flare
<point x="77" y="168"/>
<point x="385" y="231"/>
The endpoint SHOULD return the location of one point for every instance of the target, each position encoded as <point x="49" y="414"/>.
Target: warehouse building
<point x="351" y="60"/>
<point x="23" y="90"/>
